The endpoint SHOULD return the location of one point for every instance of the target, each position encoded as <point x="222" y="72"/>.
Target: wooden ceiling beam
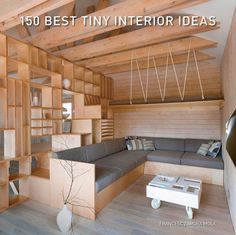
<point x="62" y="35"/>
<point x="67" y="10"/>
<point x="131" y="40"/>
<point x="160" y="62"/>
<point x="101" y="5"/>
<point x="37" y="10"/>
<point x="160" y="49"/>
<point x="12" y="8"/>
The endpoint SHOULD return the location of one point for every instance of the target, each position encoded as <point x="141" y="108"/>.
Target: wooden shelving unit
<point x="31" y="103"/>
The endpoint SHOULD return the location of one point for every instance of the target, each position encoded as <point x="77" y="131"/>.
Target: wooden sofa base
<point x="60" y="182"/>
<point x="110" y="192"/>
<point x="207" y="175"/>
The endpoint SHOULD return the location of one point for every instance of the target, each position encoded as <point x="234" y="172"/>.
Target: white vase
<point x="66" y="83"/>
<point x="35" y="99"/>
<point x="64" y="219"/>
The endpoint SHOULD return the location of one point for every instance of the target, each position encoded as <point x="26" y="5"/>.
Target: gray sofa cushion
<point x="112" y="146"/>
<point x="169" y="144"/>
<point x="165" y="156"/>
<point x="123" y="165"/>
<point x="192" y="145"/>
<point x="194" y="159"/>
<point x="106" y="176"/>
<point x="75" y="154"/>
<point x="95" y="151"/>
<point x="138" y="156"/>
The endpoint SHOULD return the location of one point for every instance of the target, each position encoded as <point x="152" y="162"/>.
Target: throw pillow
<point x="214" y="149"/>
<point x="203" y="150"/>
<point x="137" y="144"/>
<point x="148" y="145"/>
<point x="134" y="144"/>
<point x="129" y="145"/>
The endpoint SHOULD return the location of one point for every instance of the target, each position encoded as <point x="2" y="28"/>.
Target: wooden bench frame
<point x="51" y="191"/>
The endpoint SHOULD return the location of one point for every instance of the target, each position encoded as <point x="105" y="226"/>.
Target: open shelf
<point x="17" y="199"/>
<point x="17" y="176"/>
<point x="31" y="103"/>
<point x="40" y="172"/>
<point x="41" y="148"/>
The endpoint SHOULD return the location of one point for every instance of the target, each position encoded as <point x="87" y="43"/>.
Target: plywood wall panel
<point x="204" y="124"/>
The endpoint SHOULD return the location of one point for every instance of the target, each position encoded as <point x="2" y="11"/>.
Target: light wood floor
<point x="129" y="213"/>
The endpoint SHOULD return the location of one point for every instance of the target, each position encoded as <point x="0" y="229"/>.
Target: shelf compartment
<point x="88" y="88"/>
<point x="57" y="127"/>
<point x="36" y="131"/>
<point x="18" y="93"/>
<point x="42" y="147"/>
<point x="18" y="50"/>
<point x="3" y="43"/>
<point x="17" y="176"/>
<point x="42" y="173"/>
<point x="17" y="70"/>
<point x="97" y="79"/>
<point x="78" y="86"/>
<point x="88" y="76"/>
<point x="56" y="114"/>
<point x="79" y="72"/>
<point x="36" y="113"/>
<point x="11" y="92"/>
<point x="36" y="124"/>
<point x="57" y="98"/>
<point x="34" y="59"/>
<point x="16" y="200"/>
<point x="54" y="63"/>
<point x="3" y="69"/>
<point x="47" y="131"/>
<point x="3" y="108"/>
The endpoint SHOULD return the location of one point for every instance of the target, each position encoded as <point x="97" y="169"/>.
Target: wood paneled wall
<point x="176" y="121"/>
<point x="229" y="88"/>
<point x="210" y="76"/>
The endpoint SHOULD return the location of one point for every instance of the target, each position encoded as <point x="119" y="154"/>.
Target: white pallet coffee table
<point x="179" y="190"/>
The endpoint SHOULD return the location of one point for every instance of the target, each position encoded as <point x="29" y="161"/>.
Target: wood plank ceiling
<point x="108" y="49"/>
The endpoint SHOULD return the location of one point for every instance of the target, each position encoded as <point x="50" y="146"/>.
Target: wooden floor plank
<point x="129" y="213"/>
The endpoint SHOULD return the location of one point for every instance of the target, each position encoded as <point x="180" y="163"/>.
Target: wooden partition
<point x="82" y="194"/>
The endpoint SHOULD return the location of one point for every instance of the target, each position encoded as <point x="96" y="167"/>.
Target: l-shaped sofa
<point x="112" y="159"/>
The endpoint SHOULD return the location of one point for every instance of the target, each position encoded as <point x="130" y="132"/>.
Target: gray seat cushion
<point x="192" y="145"/>
<point x="95" y="151"/>
<point x="169" y="144"/>
<point x="138" y="156"/>
<point x="75" y="154"/>
<point x="123" y="165"/>
<point x="105" y="176"/>
<point x="194" y="159"/>
<point x="112" y="146"/>
<point x="165" y="156"/>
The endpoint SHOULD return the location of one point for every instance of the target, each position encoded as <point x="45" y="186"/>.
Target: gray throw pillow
<point x="214" y="149"/>
<point x="134" y="144"/>
<point x="203" y="150"/>
<point x="148" y="145"/>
